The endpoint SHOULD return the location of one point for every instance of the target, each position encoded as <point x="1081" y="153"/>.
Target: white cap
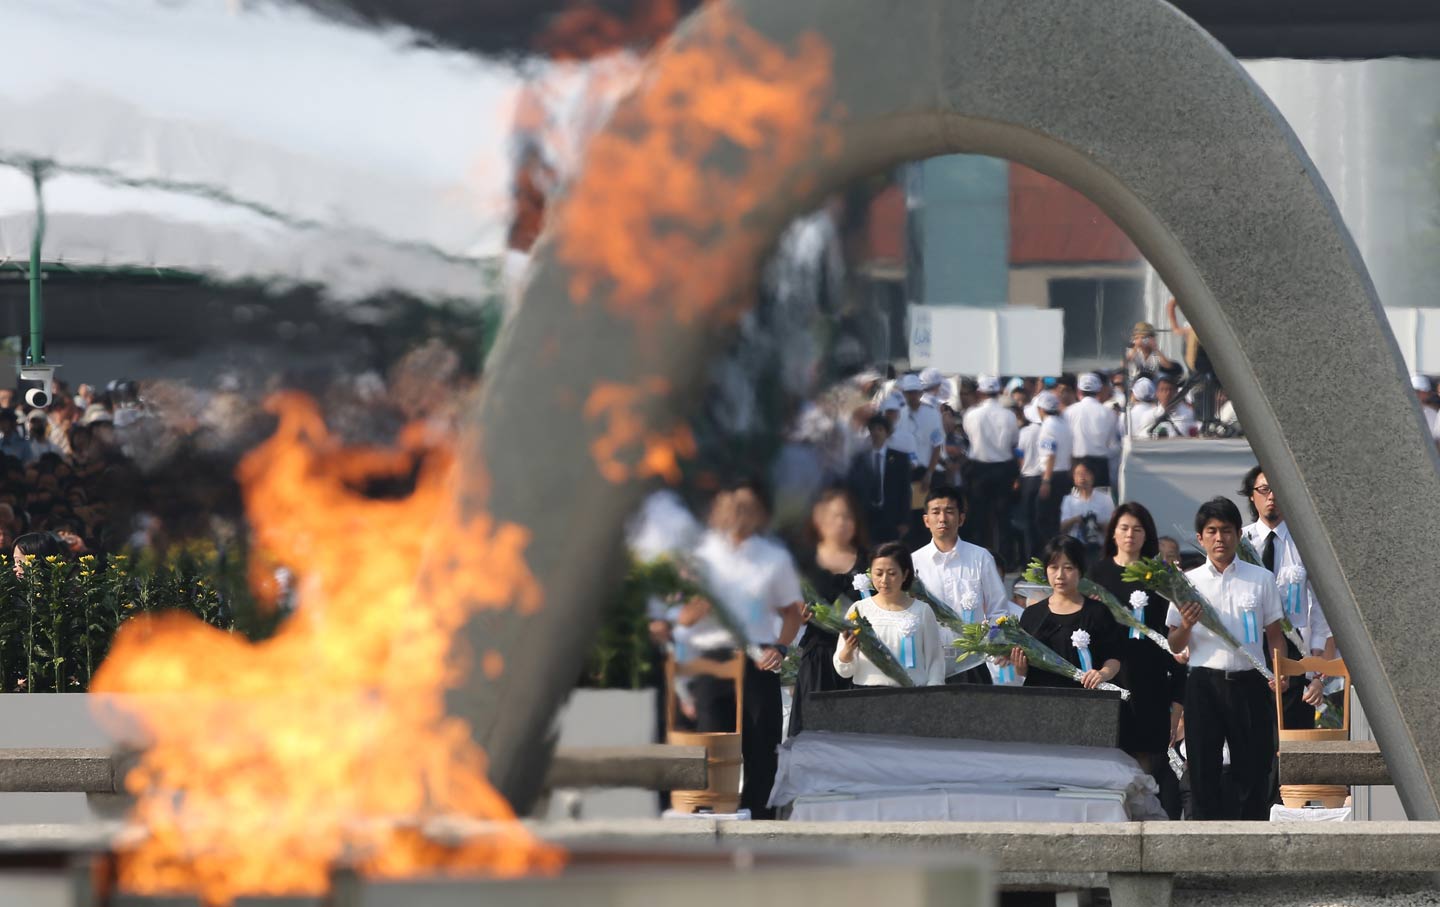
<point x="931" y="377"/>
<point x="1090" y="383"/>
<point x="1047" y="402"/>
<point x="892" y="403"/>
<point x="1420" y="383"/>
<point x="1032" y="412"/>
<point x="1014" y="384"/>
<point x="987" y="384"/>
<point x="1144" y="389"/>
<point x="909" y="383"/>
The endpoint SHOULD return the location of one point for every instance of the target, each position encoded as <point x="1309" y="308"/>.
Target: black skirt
<point x="816" y="671"/>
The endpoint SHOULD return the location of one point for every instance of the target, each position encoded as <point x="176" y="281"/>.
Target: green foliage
<point x="57" y="620"/>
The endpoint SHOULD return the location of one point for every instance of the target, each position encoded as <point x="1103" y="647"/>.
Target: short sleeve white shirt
<point x="1055" y="443"/>
<point x="992" y="430"/>
<point x="948" y="575"/>
<point x="1141" y="417"/>
<point x="1029" y="444"/>
<point x="923" y="431"/>
<point x="1099" y="505"/>
<point x="1093" y="427"/>
<point x="1310" y="621"/>
<point x="753" y="581"/>
<point x="1240" y="588"/>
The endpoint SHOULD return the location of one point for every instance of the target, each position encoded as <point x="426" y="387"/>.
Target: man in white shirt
<point x="1053" y="447"/>
<point x="1270" y="536"/>
<point x="1093" y="425"/>
<point x="1180" y="420"/>
<point x="755" y="581"/>
<point x="920" y="423"/>
<point x="961" y="575"/>
<point x="993" y="432"/>
<point x="1143" y="411"/>
<point x="1226" y="699"/>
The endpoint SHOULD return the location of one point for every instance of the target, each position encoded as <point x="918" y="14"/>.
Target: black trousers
<point x="1298" y="716"/>
<point x="762" y="726"/>
<point x="1099" y="467"/>
<point x="991" y="489"/>
<point x="1047" y="510"/>
<point x="1235" y="708"/>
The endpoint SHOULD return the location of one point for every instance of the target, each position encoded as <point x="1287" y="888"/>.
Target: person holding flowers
<point x="1227" y="700"/>
<point x="838" y="542"/>
<point x="1078" y="629"/>
<point x="1152" y="723"/>
<point x="906" y="625"/>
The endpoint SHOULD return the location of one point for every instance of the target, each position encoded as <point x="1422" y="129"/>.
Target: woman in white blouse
<point x="905" y="625"/>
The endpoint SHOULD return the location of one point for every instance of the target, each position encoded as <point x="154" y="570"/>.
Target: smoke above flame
<point x="268" y="765"/>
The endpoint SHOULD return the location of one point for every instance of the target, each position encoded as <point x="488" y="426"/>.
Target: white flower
<point x="969" y="600"/>
<point x="1139" y="599"/>
<point x="1292" y="574"/>
<point x="1249" y="602"/>
<point x="862" y="583"/>
<point x="1080" y="639"/>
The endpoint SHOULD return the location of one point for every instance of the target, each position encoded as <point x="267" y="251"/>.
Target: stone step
<point x="1348" y="762"/>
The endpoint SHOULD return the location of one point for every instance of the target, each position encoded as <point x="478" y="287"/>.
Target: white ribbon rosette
<point x="1081" y="641"/>
<point x="862" y="584"/>
<point x="1292" y="585"/>
<point x="1138" y="601"/>
<point x="969" y="601"/>
<point x="1249" y="607"/>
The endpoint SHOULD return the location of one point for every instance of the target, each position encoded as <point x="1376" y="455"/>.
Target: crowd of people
<point x="919" y="502"/>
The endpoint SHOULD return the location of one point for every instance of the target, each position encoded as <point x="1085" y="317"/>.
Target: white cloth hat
<point x="1032" y="412"/>
<point x="931" y="377"/>
<point x="988" y="384"/>
<point x="1420" y="383"/>
<point x="892" y="403"/>
<point x="1014" y="384"/>
<point x="1144" y="390"/>
<point x="1047" y="402"/>
<point x="909" y="383"/>
<point x="1090" y="383"/>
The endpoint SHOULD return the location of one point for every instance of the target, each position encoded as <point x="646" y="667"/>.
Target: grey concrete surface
<point x="1349" y="762"/>
<point x="1000" y="714"/>
<point x="1125" y="100"/>
<point x="1320" y="847"/>
<point x="654" y="767"/>
<point x="1129" y="889"/>
<point x="57" y="770"/>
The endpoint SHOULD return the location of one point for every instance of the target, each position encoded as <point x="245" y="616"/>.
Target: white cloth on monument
<point x="1092" y="424"/>
<point x="964" y="804"/>
<point x="1314" y="628"/>
<point x="916" y="622"/>
<point x="1241" y="587"/>
<point x="753" y="581"/>
<point x="992" y="431"/>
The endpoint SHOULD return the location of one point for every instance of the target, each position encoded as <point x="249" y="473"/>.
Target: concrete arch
<point x="1134" y="105"/>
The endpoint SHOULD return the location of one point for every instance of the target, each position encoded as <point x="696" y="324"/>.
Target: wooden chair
<point x="722" y="749"/>
<point x="1297" y="795"/>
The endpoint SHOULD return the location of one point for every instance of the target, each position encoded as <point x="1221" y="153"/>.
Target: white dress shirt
<point x="992" y="430"/>
<point x="923" y="432"/>
<point x="1029" y="444"/>
<point x="1240" y="588"/>
<point x="1141" y="417"/>
<point x="916" y="622"/>
<point x="948" y="575"/>
<point x="1055" y="443"/>
<point x="752" y="581"/>
<point x="1093" y="426"/>
<point x="1314" y="628"/>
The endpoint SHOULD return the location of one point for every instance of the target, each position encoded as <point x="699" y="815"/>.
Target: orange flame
<point x="659" y="452"/>
<point x="658" y="189"/>
<point x="269" y="764"/>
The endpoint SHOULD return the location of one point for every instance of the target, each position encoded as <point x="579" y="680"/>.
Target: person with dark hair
<point x="906" y="626"/>
<point x="1151" y="723"/>
<point x="1069" y="623"/>
<point x="12" y="442"/>
<point x="1226" y="699"/>
<point x="754" y="580"/>
<point x="835" y="552"/>
<point x="1094" y="428"/>
<point x="1270" y="536"/>
<point x="961" y="575"/>
<point x="879" y="477"/>
<point x="993" y="433"/>
<point x="36" y="545"/>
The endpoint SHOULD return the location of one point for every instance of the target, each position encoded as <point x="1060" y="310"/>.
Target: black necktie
<point x="1268" y="555"/>
<point x="880" y="478"/>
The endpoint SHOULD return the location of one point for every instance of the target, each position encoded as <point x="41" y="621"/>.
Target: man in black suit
<point x="880" y="480"/>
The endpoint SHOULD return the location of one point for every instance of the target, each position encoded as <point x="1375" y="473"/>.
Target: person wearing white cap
<point x="1095" y="428"/>
<point x="1045" y="448"/>
<point x="1424" y="392"/>
<point x="1143" y="411"/>
<point x="920" y="427"/>
<point x="934" y="386"/>
<point x="993" y="433"/>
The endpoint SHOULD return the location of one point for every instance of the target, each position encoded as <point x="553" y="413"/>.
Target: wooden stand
<point x="722" y="750"/>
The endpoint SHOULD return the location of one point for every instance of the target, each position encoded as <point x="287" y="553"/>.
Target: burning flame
<point x="659" y="453"/>
<point x="662" y="186"/>
<point x="268" y="765"/>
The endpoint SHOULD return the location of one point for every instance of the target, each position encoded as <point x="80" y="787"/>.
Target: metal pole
<point x="36" y="354"/>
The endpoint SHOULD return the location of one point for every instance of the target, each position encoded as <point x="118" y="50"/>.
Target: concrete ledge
<point x="1320" y="847"/>
<point x="656" y="767"/>
<point x="57" y="770"/>
<point x="1350" y="762"/>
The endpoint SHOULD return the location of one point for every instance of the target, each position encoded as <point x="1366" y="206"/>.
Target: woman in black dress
<point x="834" y="553"/>
<point x="1156" y="681"/>
<point x="1057" y="621"/>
